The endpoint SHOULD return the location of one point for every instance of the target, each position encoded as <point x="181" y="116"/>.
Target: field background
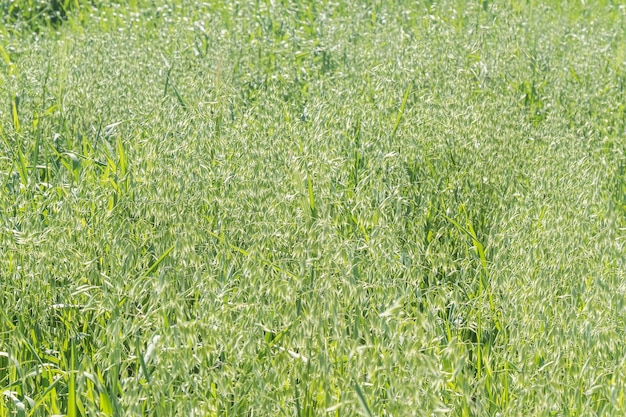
<point x="311" y="208"/>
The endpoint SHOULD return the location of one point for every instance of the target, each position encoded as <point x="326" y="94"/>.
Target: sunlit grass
<point x="313" y="208"/>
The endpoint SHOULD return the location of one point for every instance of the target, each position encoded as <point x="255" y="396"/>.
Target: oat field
<point x="312" y="208"/>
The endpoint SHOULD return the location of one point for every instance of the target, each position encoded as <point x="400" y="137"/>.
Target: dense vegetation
<point x="258" y="207"/>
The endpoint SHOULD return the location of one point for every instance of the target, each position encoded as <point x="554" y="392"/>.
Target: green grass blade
<point x="365" y="408"/>
<point x="156" y="263"/>
<point x="405" y="98"/>
<point x="72" y="406"/>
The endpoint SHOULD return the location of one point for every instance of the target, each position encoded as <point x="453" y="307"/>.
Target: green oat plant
<point x="312" y="208"/>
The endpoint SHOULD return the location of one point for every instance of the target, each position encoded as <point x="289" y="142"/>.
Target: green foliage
<point x="35" y="13"/>
<point x="312" y="208"/>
